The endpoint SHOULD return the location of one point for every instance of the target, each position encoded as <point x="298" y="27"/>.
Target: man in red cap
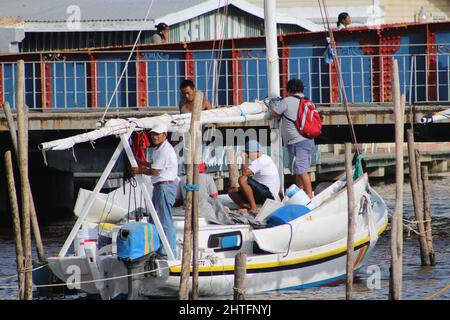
<point x="207" y="186"/>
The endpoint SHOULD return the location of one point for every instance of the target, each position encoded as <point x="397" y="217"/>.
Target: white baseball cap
<point x="159" y="128"/>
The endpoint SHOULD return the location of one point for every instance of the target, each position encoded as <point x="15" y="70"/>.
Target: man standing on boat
<point x="163" y="171"/>
<point x="300" y="148"/>
<point x="259" y="180"/>
<point x="188" y="90"/>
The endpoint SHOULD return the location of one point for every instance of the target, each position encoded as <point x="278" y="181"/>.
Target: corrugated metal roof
<point x="52" y="15"/>
<point x="56" y="10"/>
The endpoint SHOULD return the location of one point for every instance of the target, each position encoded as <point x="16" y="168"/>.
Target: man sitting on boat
<point x="163" y="171"/>
<point x="188" y="90"/>
<point x="300" y="148"/>
<point x="259" y="180"/>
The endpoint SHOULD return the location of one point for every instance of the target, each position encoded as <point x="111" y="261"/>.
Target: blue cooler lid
<point x="286" y="214"/>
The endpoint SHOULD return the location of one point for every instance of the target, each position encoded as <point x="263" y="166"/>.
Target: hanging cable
<point x="216" y="66"/>
<point x="341" y="84"/>
<point x="126" y="64"/>
<point x="214" y="46"/>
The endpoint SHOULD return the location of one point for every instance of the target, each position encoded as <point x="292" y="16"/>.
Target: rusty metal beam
<point x="46" y="84"/>
<point x="284" y="65"/>
<point x="92" y="81"/>
<point x="236" y="71"/>
<point x="432" y="75"/>
<point x="141" y="83"/>
<point x="189" y="64"/>
<point x="1" y="86"/>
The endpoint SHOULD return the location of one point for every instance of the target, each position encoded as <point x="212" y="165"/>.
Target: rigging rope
<point x="326" y="22"/>
<point x="126" y="64"/>
<point x="220" y="33"/>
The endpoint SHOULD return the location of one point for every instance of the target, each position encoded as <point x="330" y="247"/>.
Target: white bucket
<point x="295" y="195"/>
<point x="85" y="238"/>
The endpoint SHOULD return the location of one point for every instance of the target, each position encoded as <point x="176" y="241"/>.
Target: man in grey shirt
<point x="300" y="148"/>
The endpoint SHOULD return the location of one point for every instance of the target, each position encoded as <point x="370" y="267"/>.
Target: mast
<point x="273" y="76"/>
<point x="273" y="67"/>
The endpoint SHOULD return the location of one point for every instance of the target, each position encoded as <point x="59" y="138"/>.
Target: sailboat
<point x="307" y="251"/>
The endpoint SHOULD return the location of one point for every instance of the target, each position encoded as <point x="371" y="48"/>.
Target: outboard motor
<point x="136" y="241"/>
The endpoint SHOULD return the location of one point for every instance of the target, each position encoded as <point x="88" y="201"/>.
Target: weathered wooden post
<point x="424" y="256"/>
<point x="33" y="215"/>
<point x="196" y="115"/>
<point x="427" y="208"/>
<point x="233" y="170"/>
<point x="188" y="224"/>
<point x="16" y="221"/>
<point x="419" y="171"/>
<point x="351" y="220"/>
<point x="240" y="265"/>
<point x="396" y="270"/>
<point x="23" y="168"/>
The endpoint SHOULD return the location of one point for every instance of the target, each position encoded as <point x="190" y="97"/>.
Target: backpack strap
<point x="299" y="98"/>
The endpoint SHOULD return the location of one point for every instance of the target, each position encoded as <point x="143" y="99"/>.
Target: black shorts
<point x="260" y="191"/>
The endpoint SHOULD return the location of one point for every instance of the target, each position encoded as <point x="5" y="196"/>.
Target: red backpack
<point x="308" y="122"/>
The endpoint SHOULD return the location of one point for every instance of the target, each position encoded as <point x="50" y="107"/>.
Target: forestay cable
<point x="126" y="64"/>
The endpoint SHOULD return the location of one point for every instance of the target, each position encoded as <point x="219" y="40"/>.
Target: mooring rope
<point x="438" y="293"/>
<point x="93" y="281"/>
<point x="21" y="271"/>
<point x="409" y="224"/>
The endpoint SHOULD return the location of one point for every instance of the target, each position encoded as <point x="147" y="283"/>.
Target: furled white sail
<point x="437" y="117"/>
<point x="248" y="111"/>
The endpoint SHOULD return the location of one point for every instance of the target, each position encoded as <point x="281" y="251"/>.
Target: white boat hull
<point x="301" y="268"/>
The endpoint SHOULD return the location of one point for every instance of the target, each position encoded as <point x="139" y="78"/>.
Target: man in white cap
<point x="259" y="180"/>
<point x="163" y="171"/>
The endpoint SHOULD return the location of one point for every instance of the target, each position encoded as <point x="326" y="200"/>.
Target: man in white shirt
<point x="259" y="180"/>
<point x="163" y="171"/>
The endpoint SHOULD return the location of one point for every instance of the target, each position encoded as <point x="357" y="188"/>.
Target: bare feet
<point x="245" y="210"/>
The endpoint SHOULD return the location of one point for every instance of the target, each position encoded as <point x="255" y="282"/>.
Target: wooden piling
<point x="188" y="224"/>
<point x="11" y="125"/>
<point x="427" y="211"/>
<point x="424" y="256"/>
<point x="233" y="168"/>
<point x="419" y="172"/>
<point x="240" y="264"/>
<point x="196" y="114"/>
<point x="33" y="214"/>
<point x="23" y="169"/>
<point x="351" y="221"/>
<point x="16" y="222"/>
<point x="396" y="269"/>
